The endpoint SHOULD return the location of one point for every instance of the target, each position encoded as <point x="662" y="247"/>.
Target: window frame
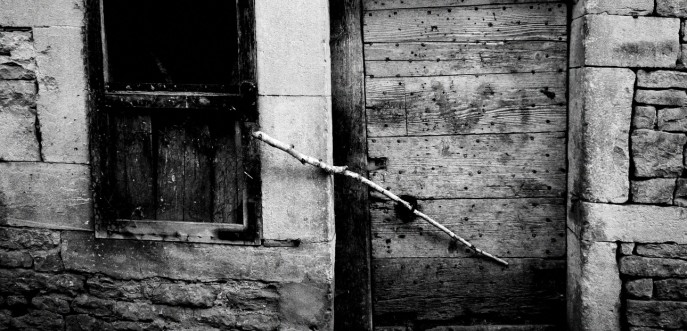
<point x="239" y="101"/>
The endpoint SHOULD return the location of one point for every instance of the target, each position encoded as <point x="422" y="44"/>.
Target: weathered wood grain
<point x="535" y="21"/>
<point x="198" y="195"/>
<point x="444" y="59"/>
<point x="162" y="230"/>
<point x="184" y="191"/>
<point x="385" y="102"/>
<point x="469" y="291"/>
<point x="170" y="170"/>
<point x="134" y="173"/>
<point x="504" y="227"/>
<point x="227" y="172"/>
<point x="472" y="166"/>
<point x="397" y="4"/>
<point x="467" y="104"/>
<point x="353" y="292"/>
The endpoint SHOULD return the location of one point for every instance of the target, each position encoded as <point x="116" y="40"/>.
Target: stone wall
<point x="627" y="218"/>
<point x="54" y="273"/>
<point x="655" y="285"/>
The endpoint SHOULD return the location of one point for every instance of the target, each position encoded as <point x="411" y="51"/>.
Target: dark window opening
<point x="171" y="41"/>
<point x="175" y="104"/>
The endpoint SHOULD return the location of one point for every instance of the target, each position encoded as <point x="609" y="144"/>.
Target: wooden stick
<point x="345" y="172"/>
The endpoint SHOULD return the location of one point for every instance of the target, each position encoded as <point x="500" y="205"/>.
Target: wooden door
<point x="465" y="109"/>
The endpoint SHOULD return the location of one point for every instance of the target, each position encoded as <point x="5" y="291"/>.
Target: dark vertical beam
<point x="353" y="295"/>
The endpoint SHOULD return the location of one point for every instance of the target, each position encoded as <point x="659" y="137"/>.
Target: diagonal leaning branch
<point x="344" y="171"/>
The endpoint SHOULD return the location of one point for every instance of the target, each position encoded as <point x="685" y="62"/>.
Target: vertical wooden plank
<point x="184" y="173"/>
<point x="353" y="301"/>
<point x="197" y="171"/>
<point x="134" y="167"/>
<point x="227" y="197"/>
<point x="247" y="54"/>
<point x="170" y="169"/>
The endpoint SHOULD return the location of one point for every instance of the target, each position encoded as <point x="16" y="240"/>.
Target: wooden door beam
<point x="353" y="294"/>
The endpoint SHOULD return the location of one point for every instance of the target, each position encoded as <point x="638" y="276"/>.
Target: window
<point x="174" y="103"/>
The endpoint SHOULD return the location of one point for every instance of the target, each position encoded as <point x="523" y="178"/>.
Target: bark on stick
<point x="290" y="149"/>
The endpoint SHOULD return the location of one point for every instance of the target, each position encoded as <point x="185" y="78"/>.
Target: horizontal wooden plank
<point x="466" y="104"/>
<point x="433" y="59"/>
<point x="538" y="21"/>
<point x="504" y="227"/>
<point x="472" y="166"/>
<point x="469" y="291"/>
<point x="170" y="100"/>
<point x="160" y="230"/>
<point x="397" y="4"/>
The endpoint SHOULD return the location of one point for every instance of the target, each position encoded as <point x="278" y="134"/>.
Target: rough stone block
<point x="672" y="119"/>
<point x="248" y="295"/>
<point x="83" y="322"/>
<point x="639" y="266"/>
<point x="644" y="117"/>
<point x="681" y="192"/>
<point x="55" y="303"/>
<point x="593" y="285"/>
<point x="613" y="7"/>
<point x="662" y="79"/>
<point x="200" y="262"/>
<point x="22" y="13"/>
<point x="20" y="281"/>
<point x="624" y="41"/>
<point x="303" y="304"/>
<point x="16" y="302"/>
<point x="262" y="321"/>
<point x="134" y="311"/>
<point x="49" y="261"/>
<point x="662" y="97"/>
<point x="62" y="96"/>
<point x="180" y="294"/>
<point x="24" y="238"/>
<point x="19" y="57"/>
<point x="627" y="248"/>
<point x="672" y="251"/>
<point x="628" y="223"/>
<point x="657" y="154"/>
<point x="600" y="115"/>
<point x="43" y="195"/>
<point x="654" y="191"/>
<point x="18" y="121"/>
<point x="16" y="259"/>
<point x="86" y="304"/>
<point x="671" y="289"/>
<point x="671" y="8"/>
<point x="297" y="200"/>
<point x="662" y="314"/>
<point x="220" y="317"/>
<point x="293" y="55"/>
<point x="38" y="320"/>
<point x="105" y="287"/>
<point x="640" y="288"/>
